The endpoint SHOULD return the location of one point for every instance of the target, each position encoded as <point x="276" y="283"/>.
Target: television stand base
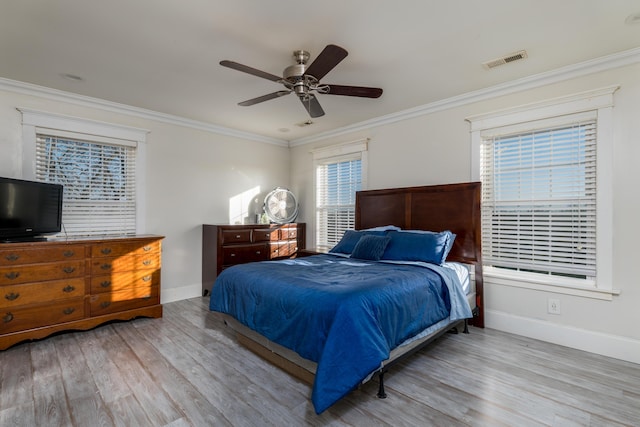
<point x="22" y="239"/>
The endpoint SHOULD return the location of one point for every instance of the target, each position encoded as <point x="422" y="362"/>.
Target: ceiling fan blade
<point x="364" y="92"/>
<point x="312" y="106"/>
<point x="249" y="70"/>
<point x="264" y="98"/>
<point x="328" y="58"/>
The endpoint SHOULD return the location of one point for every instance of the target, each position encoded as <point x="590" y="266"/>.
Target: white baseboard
<point x="615" y="346"/>
<point x="183" y="292"/>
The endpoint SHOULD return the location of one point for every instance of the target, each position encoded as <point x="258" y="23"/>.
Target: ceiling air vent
<point x="516" y="56"/>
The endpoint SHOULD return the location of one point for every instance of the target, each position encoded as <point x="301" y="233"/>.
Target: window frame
<point x="335" y="154"/>
<point x="36" y="122"/>
<point x="599" y="101"/>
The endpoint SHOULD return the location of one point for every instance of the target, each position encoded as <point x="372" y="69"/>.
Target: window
<point x="339" y="174"/>
<point x="546" y="194"/>
<point x="98" y="180"/>
<point x="98" y="164"/>
<point x="539" y="199"/>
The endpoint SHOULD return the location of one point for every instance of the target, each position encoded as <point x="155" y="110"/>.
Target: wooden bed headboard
<point x="454" y="207"/>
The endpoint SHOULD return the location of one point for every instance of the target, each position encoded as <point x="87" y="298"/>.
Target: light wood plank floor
<point x="186" y="369"/>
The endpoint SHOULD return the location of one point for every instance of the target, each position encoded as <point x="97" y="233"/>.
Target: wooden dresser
<point x="58" y="285"/>
<point x="227" y="245"/>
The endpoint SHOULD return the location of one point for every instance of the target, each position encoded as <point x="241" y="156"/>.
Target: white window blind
<point x="99" y="182"/>
<point x="539" y="198"/>
<point x="336" y="185"/>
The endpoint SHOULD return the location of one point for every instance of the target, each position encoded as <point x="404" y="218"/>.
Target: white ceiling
<point x="163" y="55"/>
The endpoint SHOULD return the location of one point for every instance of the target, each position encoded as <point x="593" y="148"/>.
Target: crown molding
<point x="114" y="107"/>
<point x="616" y="60"/>
<point x="608" y="62"/>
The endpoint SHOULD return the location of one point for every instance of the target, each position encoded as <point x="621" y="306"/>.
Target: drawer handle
<point x="233" y="254"/>
<point x="146" y="262"/>
<point x="146" y="278"/>
<point x="68" y="289"/>
<point x="257" y="252"/>
<point x="105" y="266"/>
<point x="68" y="254"/>
<point x="12" y="296"/>
<point x="105" y="251"/>
<point x="105" y="284"/>
<point x="12" y="275"/>
<point x="7" y="318"/>
<point x="147" y="248"/>
<point x="12" y="257"/>
<point x="68" y="310"/>
<point x="69" y="270"/>
<point x="105" y="304"/>
<point x="237" y="236"/>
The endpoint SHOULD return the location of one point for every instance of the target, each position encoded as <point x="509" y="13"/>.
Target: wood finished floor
<point x="186" y="369"/>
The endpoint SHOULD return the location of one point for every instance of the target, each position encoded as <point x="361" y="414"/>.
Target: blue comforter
<point x="345" y="314"/>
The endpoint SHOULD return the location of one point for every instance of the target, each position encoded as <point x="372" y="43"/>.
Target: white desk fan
<point x="281" y="206"/>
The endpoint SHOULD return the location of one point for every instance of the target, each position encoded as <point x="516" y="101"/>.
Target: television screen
<point x="29" y="209"/>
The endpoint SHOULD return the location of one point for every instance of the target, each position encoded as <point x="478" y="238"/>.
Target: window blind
<point x="98" y="179"/>
<point x="539" y="199"/>
<point x="336" y="186"/>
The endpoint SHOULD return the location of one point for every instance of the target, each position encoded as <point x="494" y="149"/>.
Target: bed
<point x="335" y="320"/>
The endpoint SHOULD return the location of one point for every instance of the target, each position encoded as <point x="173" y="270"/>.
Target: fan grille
<point x="281" y="206"/>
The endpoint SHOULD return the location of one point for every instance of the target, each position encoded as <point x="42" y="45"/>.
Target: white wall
<point x="435" y="148"/>
<point x="190" y="176"/>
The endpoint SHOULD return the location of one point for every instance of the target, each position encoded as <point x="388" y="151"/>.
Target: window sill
<point x="557" y="285"/>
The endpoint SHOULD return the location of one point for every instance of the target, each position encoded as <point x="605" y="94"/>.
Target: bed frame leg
<point x="381" y="394"/>
<point x="466" y="327"/>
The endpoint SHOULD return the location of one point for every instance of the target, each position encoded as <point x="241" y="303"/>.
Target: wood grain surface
<point x="187" y="369"/>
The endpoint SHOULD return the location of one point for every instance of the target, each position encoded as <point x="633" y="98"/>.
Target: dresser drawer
<point x="148" y="261"/>
<point x="49" y="254"/>
<point x="13" y="320"/>
<point x="265" y="234"/>
<point x="117" y="249"/>
<point x="129" y="279"/>
<point x="41" y="272"/>
<point x="41" y="292"/>
<point x="288" y="233"/>
<point x="236" y="236"/>
<point x="126" y="299"/>
<point x="287" y="249"/>
<point x="244" y="253"/>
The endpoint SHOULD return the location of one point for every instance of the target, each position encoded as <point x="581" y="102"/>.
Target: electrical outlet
<point x="553" y="306"/>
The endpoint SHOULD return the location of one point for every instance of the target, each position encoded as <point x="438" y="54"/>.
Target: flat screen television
<point x="29" y="209"/>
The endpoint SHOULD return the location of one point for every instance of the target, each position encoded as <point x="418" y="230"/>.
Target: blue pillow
<point x="350" y="239"/>
<point x="412" y="246"/>
<point x="370" y="247"/>
<point x="452" y="238"/>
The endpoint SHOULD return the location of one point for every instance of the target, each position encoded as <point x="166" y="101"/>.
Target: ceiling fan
<point x="304" y="80"/>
